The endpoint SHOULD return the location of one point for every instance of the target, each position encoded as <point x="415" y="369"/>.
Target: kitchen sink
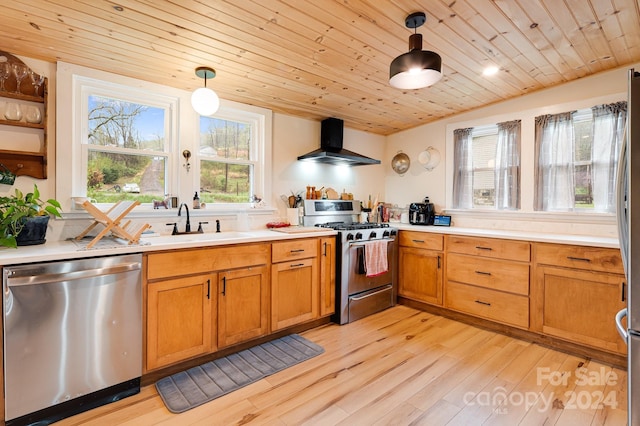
<point x="184" y="238"/>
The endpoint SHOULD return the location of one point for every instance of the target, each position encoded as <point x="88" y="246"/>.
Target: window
<point x="577" y="157"/>
<point x="122" y="138"/>
<point x="487" y="167"/>
<point x="126" y="150"/>
<point x="228" y="160"/>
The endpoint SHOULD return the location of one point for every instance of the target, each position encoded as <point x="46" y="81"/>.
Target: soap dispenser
<point x="196" y="201"/>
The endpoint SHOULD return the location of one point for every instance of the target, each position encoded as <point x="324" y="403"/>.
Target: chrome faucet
<point x="188" y="227"/>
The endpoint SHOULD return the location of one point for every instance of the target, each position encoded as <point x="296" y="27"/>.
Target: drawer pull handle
<point x="209" y="289"/>
<point x="483" y="273"/>
<point x="297" y="251"/>
<point x="418" y="241"/>
<point x="224" y="286"/>
<point x="483" y="303"/>
<point x="296" y="265"/>
<point x="579" y="259"/>
<point x="484" y="248"/>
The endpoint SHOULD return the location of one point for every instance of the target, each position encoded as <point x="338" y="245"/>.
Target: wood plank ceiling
<point x="323" y="58"/>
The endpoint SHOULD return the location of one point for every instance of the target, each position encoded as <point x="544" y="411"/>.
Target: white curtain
<point x="507" y="173"/>
<point x="554" y="173"/>
<point x="608" y="130"/>
<point x="463" y="169"/>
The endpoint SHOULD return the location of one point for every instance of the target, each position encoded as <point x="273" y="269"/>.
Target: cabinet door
<point x="327" y="276"/>
<point x="179" y="319"/>
<point x="243" y="304"/>
<point x="294" y="292"/>
<point x="420" y="275"/>
<point x="580" y="306"/>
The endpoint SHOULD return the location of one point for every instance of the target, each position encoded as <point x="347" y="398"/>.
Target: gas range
<point x="360" y="231"/>
<point x="358" y="293"/>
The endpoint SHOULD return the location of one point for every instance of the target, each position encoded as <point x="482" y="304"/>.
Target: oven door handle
<point x="365" y="243"/>
<point x="364" y="296"/>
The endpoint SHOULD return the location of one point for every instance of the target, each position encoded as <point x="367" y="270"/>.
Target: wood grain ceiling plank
<point x="478" y="52"/>
<point x="530" y="28"/>
<point x="508" y="30"/>
<point x="367" y="94"/>
<point x="472" y="26"/>
<point x="620" y="22"/>
<point x="585" y="33"/>
<point x="313" y="101"/>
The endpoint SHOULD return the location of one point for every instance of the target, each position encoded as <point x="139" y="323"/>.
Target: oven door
<point x="358" y="281"/>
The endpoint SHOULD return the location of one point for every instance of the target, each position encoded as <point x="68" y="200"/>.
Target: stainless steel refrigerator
<point x="628" y="212"/>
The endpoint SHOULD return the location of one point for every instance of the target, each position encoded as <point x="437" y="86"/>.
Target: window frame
<point x="527" y="167"/>
<point x="182" y="181"/>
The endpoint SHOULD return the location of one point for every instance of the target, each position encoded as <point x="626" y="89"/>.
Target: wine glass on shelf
<point x="5" y="72"/>
<point x="36" y="81"/>
<point x="20" y="71"/>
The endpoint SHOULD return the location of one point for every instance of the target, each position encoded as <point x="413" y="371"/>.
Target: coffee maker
<point x="421" y="213"/>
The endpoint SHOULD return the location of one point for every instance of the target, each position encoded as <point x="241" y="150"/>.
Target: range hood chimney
<point x="331" y="151"/>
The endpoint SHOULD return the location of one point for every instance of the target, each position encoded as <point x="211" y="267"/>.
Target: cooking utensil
<point x="400" y="163"/>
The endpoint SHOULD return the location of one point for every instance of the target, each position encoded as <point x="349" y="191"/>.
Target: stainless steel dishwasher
<point x="72" y="336"/>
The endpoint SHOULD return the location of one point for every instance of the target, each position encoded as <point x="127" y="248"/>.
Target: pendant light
<point x="417" y="68"/>
<point x="204" y="100"/>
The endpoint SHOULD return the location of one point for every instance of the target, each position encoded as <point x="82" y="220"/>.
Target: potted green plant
<point x="24" y="218"/>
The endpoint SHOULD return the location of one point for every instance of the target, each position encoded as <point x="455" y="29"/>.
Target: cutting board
<point x="299" y="229"/>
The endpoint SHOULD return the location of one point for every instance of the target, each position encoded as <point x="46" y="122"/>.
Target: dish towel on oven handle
<point x="375" y="257"/>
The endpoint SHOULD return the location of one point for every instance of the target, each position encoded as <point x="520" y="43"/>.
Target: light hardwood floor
<point x="402" y="367"/>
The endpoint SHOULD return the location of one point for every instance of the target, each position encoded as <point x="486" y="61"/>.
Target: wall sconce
<point x="186" y="154"/>
<point x="429" y="158"/>
<point x="204" y="100"/>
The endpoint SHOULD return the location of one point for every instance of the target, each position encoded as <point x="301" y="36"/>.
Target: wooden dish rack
<point x="112" y="220"/>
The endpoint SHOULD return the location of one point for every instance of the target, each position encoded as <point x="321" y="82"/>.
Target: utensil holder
<point x="293" y="216"/>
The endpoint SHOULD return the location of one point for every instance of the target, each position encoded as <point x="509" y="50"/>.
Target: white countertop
<point x="581" y="240"/>
<point x="65" y="250"/>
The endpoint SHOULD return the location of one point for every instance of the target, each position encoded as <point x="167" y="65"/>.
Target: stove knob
<point x="372" y="235"/>
<point x="349" y="237"/>
<point x="394" y="232"/>
<point x="358" y="236"/>
<point x="385" y="234"/>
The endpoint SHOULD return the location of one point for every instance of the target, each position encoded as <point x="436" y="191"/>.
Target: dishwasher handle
<point x="38" y="278"/>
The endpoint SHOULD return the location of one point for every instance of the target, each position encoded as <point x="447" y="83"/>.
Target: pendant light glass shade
<point x="417" y="68"/>
<point x="204" y="100"/>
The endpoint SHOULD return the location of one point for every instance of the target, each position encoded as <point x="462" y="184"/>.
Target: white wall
<point x="293" y="136"/>
<point x="417" y="182"/>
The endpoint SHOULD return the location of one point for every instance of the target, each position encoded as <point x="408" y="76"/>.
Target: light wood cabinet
<point x="497" y="306"/>
<point x="489" y="278"/>
<point x="294" y="283"/>
<point x="420" y="261"/>
<point x="202" y="299"/>
<point x="575" y="298"/>
<point x="179" y="320"/>
<point x="327" y="276"/>
<point x="243" y="304"/>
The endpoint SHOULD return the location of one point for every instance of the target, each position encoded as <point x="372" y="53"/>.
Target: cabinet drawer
<point x="187" y="262"/>
<point x="421" y="240"/>
<point x="294" y="249"/>
<point x="490" y="247"/>
<point x="490" y="304"/>
<point x="490" y="273"/>
<point x="580" y="257"/>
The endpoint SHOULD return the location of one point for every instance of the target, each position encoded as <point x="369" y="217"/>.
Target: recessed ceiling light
<point x="491" y="70"/>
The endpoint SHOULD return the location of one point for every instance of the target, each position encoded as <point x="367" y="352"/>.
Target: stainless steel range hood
<point x="331" y="151"/>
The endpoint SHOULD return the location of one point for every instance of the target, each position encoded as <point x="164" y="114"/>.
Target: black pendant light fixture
<point x="417" y="68"/>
